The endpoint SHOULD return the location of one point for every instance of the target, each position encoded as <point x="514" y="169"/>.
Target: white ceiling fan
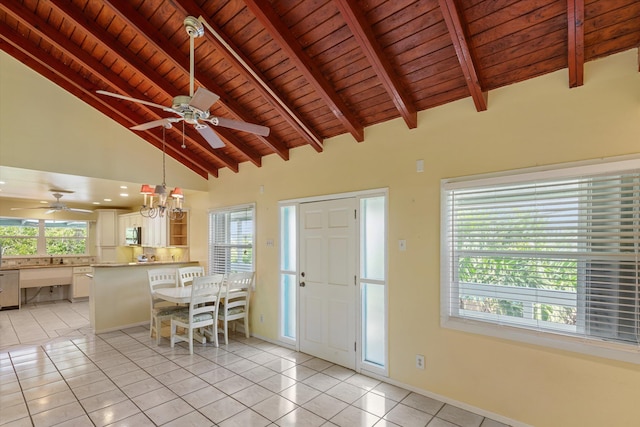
<point x="194" y="108"/>
<point x="57" y="206"/>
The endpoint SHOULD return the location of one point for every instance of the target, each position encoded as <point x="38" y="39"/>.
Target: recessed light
<point x="2" y="182"/>
<point x="124" y="187"/>
<point x="43" y="202"/>
<point x="96" y="203"/>
<point x="107" y="200"/>
<point x="124" y="195"/>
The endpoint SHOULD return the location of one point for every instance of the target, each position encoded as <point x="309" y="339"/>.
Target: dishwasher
<point x="9" y="289"/>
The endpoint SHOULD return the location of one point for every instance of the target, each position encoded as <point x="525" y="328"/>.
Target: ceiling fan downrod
<point x="194" y="29"/>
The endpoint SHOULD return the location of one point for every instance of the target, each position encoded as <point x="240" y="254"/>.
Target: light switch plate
<point x="420" y="165"/>
<point x="402" y="245"/>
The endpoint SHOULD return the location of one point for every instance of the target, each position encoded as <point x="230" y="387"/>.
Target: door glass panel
<point x="373" y="322"/>
<point x="288" y="272"/>
<point x="288" y="299"/>
<point x="372" y="238"/>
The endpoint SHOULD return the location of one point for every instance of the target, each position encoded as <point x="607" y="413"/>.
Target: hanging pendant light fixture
<point x="160" y="202"/>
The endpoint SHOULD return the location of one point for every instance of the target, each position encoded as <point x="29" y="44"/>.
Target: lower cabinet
<point x="9" y="289"/>
<point x="81" y="282"/>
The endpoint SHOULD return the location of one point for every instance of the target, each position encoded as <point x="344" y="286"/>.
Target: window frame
<point x="510" y="331"/>
<point x="211" y="238"/>
<point x="41" y="239"/>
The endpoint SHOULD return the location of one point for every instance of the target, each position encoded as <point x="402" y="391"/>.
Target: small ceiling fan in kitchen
<point x="194" y="108"/>
<point x="57" y="206"/>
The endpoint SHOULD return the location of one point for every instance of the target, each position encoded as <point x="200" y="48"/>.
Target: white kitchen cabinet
<point x="154" y="232"/>
<point x="107" y="227"/>
<point x="107" y="236"/>
<point x="10" y="285"/>
<point x="81" y="282"/>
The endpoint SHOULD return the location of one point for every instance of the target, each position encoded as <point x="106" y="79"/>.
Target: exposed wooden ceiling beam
<point x="40" y="61"/>
<point x="282" y="35"/>
<point x="575" y="18"/>
<point x="453" y="19"/>
<point x="234" y="55"/>
<point x="43" y="30"/>
<point x="110" y="43"/>
<point x="145" y="29"/>
<point x="363" y="33"/>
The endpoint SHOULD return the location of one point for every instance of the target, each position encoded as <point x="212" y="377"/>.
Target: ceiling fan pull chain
<point x="183" y="144"/>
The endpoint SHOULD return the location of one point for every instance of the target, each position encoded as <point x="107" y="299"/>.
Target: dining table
<point x="178" y="295"/>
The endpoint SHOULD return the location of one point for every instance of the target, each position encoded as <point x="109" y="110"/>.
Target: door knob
<point x="302" y="284"/>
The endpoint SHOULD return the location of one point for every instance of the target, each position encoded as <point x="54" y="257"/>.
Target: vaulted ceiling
<point x="306" y="69"/>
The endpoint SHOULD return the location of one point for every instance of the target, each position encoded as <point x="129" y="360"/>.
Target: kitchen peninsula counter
<point x="119" y="293"/>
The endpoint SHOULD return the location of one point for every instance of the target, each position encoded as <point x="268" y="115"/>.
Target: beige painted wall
<point x="538" y="122"/>
<point x="43" y="127"/>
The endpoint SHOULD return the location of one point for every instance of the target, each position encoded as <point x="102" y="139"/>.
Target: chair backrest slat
<point x="161" y="278"/>
<point x="187" y="274"/>
<point x="205" y="289"/>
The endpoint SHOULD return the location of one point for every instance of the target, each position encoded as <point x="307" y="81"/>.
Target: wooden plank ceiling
<point x="307" y="69"/>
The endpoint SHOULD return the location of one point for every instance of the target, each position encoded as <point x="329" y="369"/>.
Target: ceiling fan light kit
<point x="194" y="108"/>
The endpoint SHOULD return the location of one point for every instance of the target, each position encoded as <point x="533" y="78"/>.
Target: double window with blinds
<point x="546" y="256"/>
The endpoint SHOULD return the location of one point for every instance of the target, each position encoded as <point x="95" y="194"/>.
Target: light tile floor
<point x="53" y="371"/>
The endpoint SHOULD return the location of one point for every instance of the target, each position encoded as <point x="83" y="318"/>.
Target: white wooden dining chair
<point x="187" y="274"/>
<point x="161" y="309"/>
<point x="201" y="314"/>
<point x="234" y="301"/>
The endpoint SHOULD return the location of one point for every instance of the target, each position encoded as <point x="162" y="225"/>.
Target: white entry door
<point x="327" y="297"/>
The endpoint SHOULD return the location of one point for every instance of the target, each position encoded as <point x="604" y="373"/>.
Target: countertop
<point x="28" y="267"/>
<point x="139" y="264"/>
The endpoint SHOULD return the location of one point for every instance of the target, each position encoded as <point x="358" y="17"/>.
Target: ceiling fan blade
<point x="35" y="207"/>
<point x="203" y="99"/>
<point x="51" y="211"/>
<point x="207" y="133"/>
<point x="140" y="101"/>
<point x="238" y="125"/>
<point x="156" y="123"/>
<point x="84" y="211"/>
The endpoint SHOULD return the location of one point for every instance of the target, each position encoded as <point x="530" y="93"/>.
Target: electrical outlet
<point x="419" y="361"/>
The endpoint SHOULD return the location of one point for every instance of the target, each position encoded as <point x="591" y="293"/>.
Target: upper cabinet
<point x="157" y="232"/>
<point x="154" y="232"/>
<point x="107" y="227"/>
<point x="107" y="234"/>
<point x="179" y="231"/>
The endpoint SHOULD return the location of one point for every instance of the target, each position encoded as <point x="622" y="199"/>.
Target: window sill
<point x="604" y="349"/>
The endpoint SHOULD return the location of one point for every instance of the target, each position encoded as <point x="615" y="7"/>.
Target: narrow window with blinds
<point x="231" y="239"/>
<point x="553" y="255"/>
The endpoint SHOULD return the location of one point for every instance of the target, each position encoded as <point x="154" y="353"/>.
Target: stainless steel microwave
<point x="133" y="236"/>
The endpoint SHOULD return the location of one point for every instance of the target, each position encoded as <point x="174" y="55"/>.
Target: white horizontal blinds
<point x="551" y="255"/>
<point x="231" y="238"/>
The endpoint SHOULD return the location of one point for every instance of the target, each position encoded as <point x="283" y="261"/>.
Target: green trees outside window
<point x="33" y="237"/>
